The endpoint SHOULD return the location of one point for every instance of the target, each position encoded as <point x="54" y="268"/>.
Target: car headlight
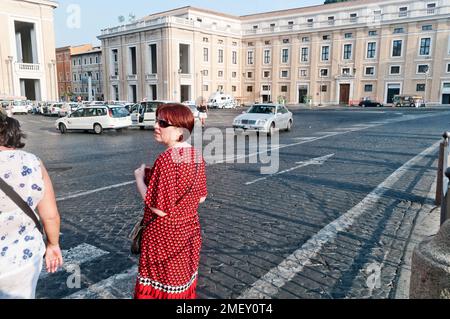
<point x="261" y="122"/>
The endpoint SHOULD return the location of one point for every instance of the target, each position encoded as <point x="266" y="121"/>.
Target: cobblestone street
<point x="312" y="231"/>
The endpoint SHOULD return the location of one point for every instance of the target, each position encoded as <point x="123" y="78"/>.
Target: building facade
<point x="87" y="66"/>
<point x="27" y="50"/>
<point x="326" y="54"/>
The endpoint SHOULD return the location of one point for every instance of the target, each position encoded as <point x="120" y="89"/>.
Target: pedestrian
<point x="203" y="112"/>
<point x="172" y="191"/>
<point x="22" y="247"/>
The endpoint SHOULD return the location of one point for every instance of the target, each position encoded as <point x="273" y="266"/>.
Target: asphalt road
<point x="333" y="222"/>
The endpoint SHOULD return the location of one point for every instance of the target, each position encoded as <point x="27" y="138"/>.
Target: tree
<point x="334" y="1"/>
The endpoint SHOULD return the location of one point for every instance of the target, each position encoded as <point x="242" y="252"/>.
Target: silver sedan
<point x="264" y="118"/>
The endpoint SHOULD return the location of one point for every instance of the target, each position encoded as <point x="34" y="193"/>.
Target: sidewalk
<point x="427" y="224"/>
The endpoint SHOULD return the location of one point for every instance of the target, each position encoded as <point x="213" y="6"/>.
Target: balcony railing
<point x="114" y="77"/>
<point x="132" y="77"/>
<point x="33" y="67"/>
<point x="150" y="77"/>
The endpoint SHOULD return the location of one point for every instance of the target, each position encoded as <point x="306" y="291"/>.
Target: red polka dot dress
<point x="170" y="250"/>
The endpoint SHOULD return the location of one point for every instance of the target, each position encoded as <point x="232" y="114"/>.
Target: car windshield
<point x="119" y="112"/>
<point x="19" y="103"/>
<point x="262" y="109"/>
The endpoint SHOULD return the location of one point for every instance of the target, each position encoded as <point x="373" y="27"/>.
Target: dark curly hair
<point x="10" y="133"/>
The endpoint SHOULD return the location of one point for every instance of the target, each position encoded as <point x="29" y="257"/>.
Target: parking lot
<point x="330" y="162"/>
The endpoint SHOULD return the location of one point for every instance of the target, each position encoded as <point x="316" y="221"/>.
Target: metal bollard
<point x="445" y="207"/>
<point x="442" y="166"/>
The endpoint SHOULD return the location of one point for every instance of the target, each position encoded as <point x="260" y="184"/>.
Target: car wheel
<point x="272" y="129"/>
<point x="98" y="129"/>
<point x="142" y="128"/>
<point x="62" y="128"/>
<point x="412" y="105"/>
<point x="289" y="126"/>
<point x="398" y="105"/>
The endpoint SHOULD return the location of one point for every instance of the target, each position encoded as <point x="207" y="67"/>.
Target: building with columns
<point x="87" y="63"/>
<point x="27" y="50"/>
<point x="325" y="54"/>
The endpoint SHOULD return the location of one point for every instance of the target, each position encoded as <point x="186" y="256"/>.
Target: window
<point x="370" y="70"/>
<point x="395" y="69"/>
<point x="266" y="74"/>
<point x="448" y="68"/>
<point x="74" y="62"/>
<point x="353" y="17"/>
<point x="266" y="88"/>
<point x="284" y="88"/>
<point x="249" y="75"/>
<point x="310" y="22"/>
<point x="397" y="48"/>
<point x="96" y="59"/>
<point x="220" y="56"/>
<point x="199" y="20"/>
<point x="90" y="60"/>
<point x="220" y="74"/>
<point x="323" y="88"/>
<point x="347" y="51"/>
<point x="250" y="44"/>
<point x="304" y="55"/>
<point x="331" y="20"/>
<point x="325" y="53"/>
<point x="249" y="88"/>
<point x="422" y="68"/>
<point x="326" y="37"/>
<point x="250" y="57"/>
<point x="371" y="50"/>
<point x="399" y="30"/>
<point x="234" y="74"/>
<point x="255" y="27"/>
<point x="348" y="35"/>
<point x="345" y="71"/>
<point x="205" y="55"/>
<point x="234" y="43"/>
<point x="234" y="57"/>
<point x="219" y="41"/>
<point x="368" y="88"/>
<point x="284" y="74"/>
<point x="205" y="88"/>
<point x="373" y="33"/>
<point x="267" y="42"/>
<point x="285" y="41"/>
<point x="75" y="77"/>
<point x="266" y="56"/>
<point x="303" y="73"/>
<point x="425" y="46"/>
<point x="284" y="55"/>
<point x="403" y="11"/>
<point x="427" y="27"/>
<point x="420" y="87"/>
<point x="206" y="40"/>
<point x="431" y="7"/>
<point x="205" y="72"/>
<point x="323" y="73"/>
<point x="233" y="88"/>
<point x="305" y="39"/>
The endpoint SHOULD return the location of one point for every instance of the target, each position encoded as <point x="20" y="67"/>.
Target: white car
<point x="68" y="108"/>
<point x="97" y="118"/>
<point x="54" y="109"/>
<point x="191" y="105"/>
<point x="264" y="118"/>
<point x="144" y="114"/>
<point x="19" y="107"/>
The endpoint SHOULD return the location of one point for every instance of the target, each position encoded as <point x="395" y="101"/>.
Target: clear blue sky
<point x="99" y="14"/>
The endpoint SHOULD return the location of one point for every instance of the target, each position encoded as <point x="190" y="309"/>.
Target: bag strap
<point x="12" y="194"/>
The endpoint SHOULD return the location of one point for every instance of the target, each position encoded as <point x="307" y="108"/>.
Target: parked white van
<point x="144" y="114"/>
<point x="97" y="118"/>
<point x="221" y="101"/>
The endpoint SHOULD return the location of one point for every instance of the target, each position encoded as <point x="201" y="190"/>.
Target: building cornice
<point x="49" y="3"/>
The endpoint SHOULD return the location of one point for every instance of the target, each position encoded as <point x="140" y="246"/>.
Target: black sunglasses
<point x="163" y="123"/>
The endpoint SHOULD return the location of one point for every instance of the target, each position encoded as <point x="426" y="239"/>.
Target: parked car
<point x="264" y="118"/>
<point x="193" y="107"/>
<point x="19" y="107"/>
<point x="221" y="101"/>
<point x="97" y="118"/>
<point x="370" y="103"/>
<point x="408" y="100"/>
<point x="144" y="114"/>
<point x="68" y="108"/>
<point x="54" y="109"/>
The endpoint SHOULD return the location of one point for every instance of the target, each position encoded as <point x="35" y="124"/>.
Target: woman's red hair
<point x="178" y="115"/>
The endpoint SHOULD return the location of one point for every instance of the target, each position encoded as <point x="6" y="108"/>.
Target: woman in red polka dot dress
<point x="172" y="191"/>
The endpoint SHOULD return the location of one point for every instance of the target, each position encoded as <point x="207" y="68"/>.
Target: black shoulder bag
<point x="139" y="227"/>
<point x="12" y="194"/>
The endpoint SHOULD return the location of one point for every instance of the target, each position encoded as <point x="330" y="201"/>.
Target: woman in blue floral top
<point x="22" y="248"/>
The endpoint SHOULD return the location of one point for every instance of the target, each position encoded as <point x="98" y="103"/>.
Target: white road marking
<point x="269" y="285"/>
<point x="314" y="161"/>
<point x="76" y="256"/>
<point x="94" y="191"/>
<point x="119" y="286"/>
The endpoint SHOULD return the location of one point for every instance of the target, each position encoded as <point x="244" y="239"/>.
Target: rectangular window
<point x="325" y="53"/>
<point x="234" y="57"/>
<point x="305" y="39"/>
<point x="220" y="74"/>
<point x="284" y="88"/>
<point x="331" y="20"/>
<point x="427" y="27"/>
<point x="249" y="88"/>
<point x="249" y="75"/>
<point x="397" y="48"/>
<point x="75" y="77"/>
<point x="422" y="68"/>
<point x="74" y="62"/>
<point x="323" y="88"/>
<point x="220" y="56"/>
<point x="250" y="57"/>
<point x="370" y="70"/>
<point x="233" y="88"/>
<point x="310" y="22"/>
<point x="206" y="40"/>
<point x="323" y="73"/>
<point x="326" y="37"/>
<point x="346" y="71"/>
<point x="431" y="7"/>
<point x="403" y="12"/>
<point x="348" y="35"/>
<point x="372" y="33"/>
<point x="353" y="17"/>
<point x="90" y="60"/>
<point x="420" y="87"/>
<point x="305" y="55"/>
<point x="234" y="74"/>
<point x="399" y="30"/>
<point x="205" y="55"/>
<point x="266" y="56"/>
<point x="153" y="59"/>
<point x="205" y="88"/>
<point x="448" y="68"/>
<point x="285" y="56"/>
<point x="267" y="42"/>
<point x="395" y="69"/>
<point x="368" y="88"/>
<point x="425" y="46"/>
<point x="371" y="50"/>
<point x="284" y="74"/>
<point x="347" y="51"/>
<point x="303" y="73"/>
<point x="266" y="74"/>
<point x="266" y="88"/>
<point x="285" y="41"/>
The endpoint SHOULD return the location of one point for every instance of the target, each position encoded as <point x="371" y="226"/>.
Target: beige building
<point x="326" y="54"/>
<point x="27" y="49"/>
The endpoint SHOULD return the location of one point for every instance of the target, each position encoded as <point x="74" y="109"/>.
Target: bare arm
<point x="202" y="200"/>
<point x="142" y="188"/>
<point x="48" y="212"/>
